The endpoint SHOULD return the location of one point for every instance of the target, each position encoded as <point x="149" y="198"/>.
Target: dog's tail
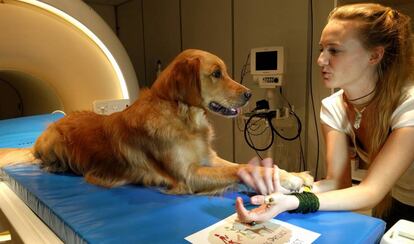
<point x="11" y="156"/>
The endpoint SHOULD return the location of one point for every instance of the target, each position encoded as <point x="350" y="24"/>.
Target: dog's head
<point x="199" y="78"/>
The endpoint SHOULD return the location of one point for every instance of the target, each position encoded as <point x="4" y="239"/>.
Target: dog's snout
<point x="247" y="95"/>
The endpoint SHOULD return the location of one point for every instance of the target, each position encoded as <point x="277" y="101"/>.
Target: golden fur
<point x="162" y="139"/>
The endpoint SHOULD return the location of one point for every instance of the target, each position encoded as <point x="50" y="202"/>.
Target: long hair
<point x="379" y="25"/>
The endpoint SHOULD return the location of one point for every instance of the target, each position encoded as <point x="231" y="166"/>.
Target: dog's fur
<point x="162" y="139"/>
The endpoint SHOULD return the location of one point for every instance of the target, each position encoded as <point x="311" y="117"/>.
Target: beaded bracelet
<point x="308" y="202"/>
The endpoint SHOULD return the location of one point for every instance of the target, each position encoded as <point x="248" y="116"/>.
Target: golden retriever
<point x="163" y="139"/>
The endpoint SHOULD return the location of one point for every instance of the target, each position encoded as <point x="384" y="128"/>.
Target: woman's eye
<point x="216" y="74"/>
<point x="333" y="50"/>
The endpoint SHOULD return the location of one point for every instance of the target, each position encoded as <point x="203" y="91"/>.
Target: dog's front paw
<point x="306" y="177"/>
<point x="295" y="181"/>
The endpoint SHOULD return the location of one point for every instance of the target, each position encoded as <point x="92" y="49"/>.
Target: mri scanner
<point x="59" y="55"/>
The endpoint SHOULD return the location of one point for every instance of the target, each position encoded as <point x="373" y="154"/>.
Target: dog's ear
<point x="181" y="83"/>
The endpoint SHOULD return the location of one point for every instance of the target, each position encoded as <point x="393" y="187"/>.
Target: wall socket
<point x="110" y="106"/>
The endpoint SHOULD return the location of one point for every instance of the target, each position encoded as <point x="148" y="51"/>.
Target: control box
<point x="268" y="81"/>
<point x="110" y="106"/>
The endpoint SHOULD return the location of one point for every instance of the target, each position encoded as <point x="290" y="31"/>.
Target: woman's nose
<point x="322" y="59"/>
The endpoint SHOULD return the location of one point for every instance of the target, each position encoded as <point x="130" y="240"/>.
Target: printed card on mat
<point x="231" y="231"/>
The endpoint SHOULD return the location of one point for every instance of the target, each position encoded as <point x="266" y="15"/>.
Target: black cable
<point x="246" y="134"/>
<point x="257" y="128"/>
<point x="244" y="68"/>
<point x="242" y="74"/>
<point x="256" y="151"/>
<point x="310" y="55"/>
<point x="269" y="116"/>
<point x="284" y="137"/>
<point x="302" y="156"/>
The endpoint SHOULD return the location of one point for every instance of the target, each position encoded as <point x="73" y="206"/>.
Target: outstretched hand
<point x="264" y="211"/>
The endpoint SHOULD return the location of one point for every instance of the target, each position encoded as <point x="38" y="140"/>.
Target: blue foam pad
<point x="22" y="132"/>
<point x="80" y="212"/>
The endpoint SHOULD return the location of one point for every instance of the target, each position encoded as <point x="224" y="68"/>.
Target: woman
<point x="367" y="52"/>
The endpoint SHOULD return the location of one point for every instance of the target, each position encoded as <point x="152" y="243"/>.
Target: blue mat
<point x="79" y="212"/>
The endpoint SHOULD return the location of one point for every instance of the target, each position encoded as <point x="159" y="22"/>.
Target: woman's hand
<point x="271" y="205"/>
<point x="265" y="179"/>
<point x="265" y="212"/>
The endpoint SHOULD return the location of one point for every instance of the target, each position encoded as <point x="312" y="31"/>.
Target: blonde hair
<point x="383" y="26"/>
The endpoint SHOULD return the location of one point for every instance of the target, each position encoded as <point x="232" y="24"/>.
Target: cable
<point x="269" y="116"/>
<point x="310" y="54"/>
<point x="244" y="69"/>
<point x="242" y="74"/>
<point x="302" y="156"/>
<point x="256" y="151"/>
<point x="247" y="134"/>
<point x="285" y="137"/>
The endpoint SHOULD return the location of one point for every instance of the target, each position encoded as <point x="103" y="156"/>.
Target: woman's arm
<point x="391" y="162"/>
<point x="337" y="161"/>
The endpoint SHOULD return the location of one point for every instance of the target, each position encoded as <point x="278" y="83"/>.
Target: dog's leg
<point x="212" y="180"/>
<point x="290" y="180"/>
<point x="217" y="162"/>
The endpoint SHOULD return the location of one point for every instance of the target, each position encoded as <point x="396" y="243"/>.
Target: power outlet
<point x="110" y="106"/>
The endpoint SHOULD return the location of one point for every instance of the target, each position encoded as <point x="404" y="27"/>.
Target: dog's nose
<point x="247" y="95"/>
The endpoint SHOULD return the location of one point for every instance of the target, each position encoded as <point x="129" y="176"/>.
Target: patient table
<point x="78" y="212"/>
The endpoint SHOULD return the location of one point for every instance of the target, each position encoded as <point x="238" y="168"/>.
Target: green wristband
<point x="308" y="202"/>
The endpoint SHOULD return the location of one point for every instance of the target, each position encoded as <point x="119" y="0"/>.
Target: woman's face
<point x="344" y="62"/>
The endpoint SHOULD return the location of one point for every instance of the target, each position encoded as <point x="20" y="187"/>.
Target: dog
<point x="163" y="139"/>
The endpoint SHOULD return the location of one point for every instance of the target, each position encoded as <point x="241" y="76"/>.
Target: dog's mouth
<point x="220" y="109"/>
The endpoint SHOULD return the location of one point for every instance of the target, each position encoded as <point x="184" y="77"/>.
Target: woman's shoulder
<point x="409" y="91"/>
<point x="334" y="99"/>
<point x="403" y="115"/>
<point x="408" y="95"/>
<point x="333" y="112"/>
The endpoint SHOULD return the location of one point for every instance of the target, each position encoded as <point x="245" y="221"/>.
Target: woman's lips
<point x="326" y="75"/>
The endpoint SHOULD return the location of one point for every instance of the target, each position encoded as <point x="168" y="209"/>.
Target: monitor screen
<point x="266" y="60"/>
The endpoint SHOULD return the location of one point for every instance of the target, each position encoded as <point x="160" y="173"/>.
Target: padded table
<point x="79" y="212"/>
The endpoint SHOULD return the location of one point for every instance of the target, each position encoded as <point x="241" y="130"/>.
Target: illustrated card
<point x="231" y="231"/>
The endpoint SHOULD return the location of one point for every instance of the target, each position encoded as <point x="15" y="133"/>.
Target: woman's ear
<point x="377" y="54"/>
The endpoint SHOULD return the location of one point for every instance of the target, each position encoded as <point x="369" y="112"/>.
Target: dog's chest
<point x="192" y="150"/>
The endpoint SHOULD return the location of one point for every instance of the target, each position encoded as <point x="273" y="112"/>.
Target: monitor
<point x="267" y="61"/>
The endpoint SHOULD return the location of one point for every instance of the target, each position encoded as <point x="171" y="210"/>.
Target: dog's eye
<point x="216" y="74"/>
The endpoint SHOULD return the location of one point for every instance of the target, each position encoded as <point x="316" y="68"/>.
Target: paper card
<point x="231" y="231"/>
